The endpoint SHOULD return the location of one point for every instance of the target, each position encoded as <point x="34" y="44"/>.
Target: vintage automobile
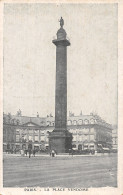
<point x="103" y="150"/>
<point x="80" y="152"/>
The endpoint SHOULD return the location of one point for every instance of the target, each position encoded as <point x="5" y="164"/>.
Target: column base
<point x="60" y="141"/>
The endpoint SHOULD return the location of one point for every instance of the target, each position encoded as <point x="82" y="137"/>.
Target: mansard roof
<point x="49" y="121"/>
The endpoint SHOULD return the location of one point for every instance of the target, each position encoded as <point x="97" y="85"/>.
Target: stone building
<point x="114" y="138"/>
<point x="88" y="131"/>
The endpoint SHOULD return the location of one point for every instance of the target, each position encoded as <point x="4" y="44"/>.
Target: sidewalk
<point x="59" y="155"/>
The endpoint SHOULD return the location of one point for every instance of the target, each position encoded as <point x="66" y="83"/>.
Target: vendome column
<point x="60" y="139"/>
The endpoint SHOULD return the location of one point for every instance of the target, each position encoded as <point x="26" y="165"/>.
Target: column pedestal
<point x="60" y="141"/>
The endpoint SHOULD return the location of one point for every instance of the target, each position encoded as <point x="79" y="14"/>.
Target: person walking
<point x="34" y="151"/>
<point x="29" y="152"/>
<point x="25" y="152"/>
<point x="22" y="152"/>
<point x="30" y="149"/>
<point x="53" y="153"/>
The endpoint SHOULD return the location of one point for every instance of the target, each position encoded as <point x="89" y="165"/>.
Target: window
<point x="74" y="138"/>
<point x="69" y="122"/>
<point x="23" y="131"/>
<point x="79" y="147"/>
<point x="92" y="130"/>
<point x="42" y="132"/>
<point x="18" y="147"/>
<point x="42" y="138"/>
<point x="36" y="131"/>
<point x="48" y="123"/>
<point x="30" y="137"/>
<point x="74" y="131"/>
<point x="85" y="146"/>
<point x="36" y="138"/>
<point x="86" y="137"/>
<point x="74" y="146"/>
<point x="71" y="130"/>
<point x="91" y="137"/>
<point x="91" y="146"/>
<point x="85" y="130"/>
<point x="17" y="138"/>
<point x="30" y="131"/>
<point x="92" y="121"/>
<point x="80" y="138"/>
<point x="86" y="121"/>
<point x="17" y="130"/>
<point x="75" y="122"/>
<point x="80" y="122"/>
<point x="47" y="139"/>
<point x="25" y="137"/>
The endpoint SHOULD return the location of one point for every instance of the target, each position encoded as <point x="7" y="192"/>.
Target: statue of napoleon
<point x="61" y="22"/>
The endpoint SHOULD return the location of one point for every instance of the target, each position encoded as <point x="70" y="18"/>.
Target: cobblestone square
<point x="60" y="171"/>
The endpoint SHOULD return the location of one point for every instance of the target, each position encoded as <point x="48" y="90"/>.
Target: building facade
<point x="114" y="138"/>
<point x="88" y="132"/>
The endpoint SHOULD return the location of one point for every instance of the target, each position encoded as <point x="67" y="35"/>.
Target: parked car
<point x="113" y="151"/>
<point x="103" y="150"/>
<point x="84" y="152"/>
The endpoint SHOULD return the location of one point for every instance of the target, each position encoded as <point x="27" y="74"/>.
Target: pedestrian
<point x="25" y="152"/>
<point x="72" y="152"/>
<point x="15" y="151"/>
<point x="30" y="149"/>
<point x="22" y="152"/>
<point x="34" y="151"/>
<point x="29" y="152"/>
<point x="53" y="153"/>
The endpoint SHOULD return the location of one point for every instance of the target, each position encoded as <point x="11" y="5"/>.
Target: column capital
<point x="63" y="42"/>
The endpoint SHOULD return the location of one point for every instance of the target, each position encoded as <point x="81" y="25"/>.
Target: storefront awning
<point x="46" y="144"/>
<point x="105" y="148"/>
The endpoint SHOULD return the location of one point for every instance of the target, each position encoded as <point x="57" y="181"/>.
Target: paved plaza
<point x="60" y="171"/>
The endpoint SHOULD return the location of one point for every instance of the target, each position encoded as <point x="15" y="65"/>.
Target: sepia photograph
<point x="60" y="95"/>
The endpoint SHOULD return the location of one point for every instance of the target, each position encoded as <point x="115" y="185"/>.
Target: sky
<point x="30" y="58"/>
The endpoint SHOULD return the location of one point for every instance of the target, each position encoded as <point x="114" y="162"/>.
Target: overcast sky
<point x="30" y="58"/>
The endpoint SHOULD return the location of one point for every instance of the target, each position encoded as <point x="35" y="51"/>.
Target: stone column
<point x="60" y="139"/>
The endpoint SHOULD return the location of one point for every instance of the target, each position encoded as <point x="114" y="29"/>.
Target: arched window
<point x="74" y="138"/>
<point x="69" y="122"/>
<point x="80" y="138"/>
<point x="92" y="121"/>
<point x="71" y="130"/>
<point x="17" y="121"/>
<point x="79" y="147"/>
<point x="75" y="122"/>
<point x="51" y="123"/>
<point x="73" y="146"/>
<point x="80" y="121"/>
<point x="48" y="123"/>
<point x="86" y="122"/>
<point x="85" y="146"/>
<point x="92" y="137"/>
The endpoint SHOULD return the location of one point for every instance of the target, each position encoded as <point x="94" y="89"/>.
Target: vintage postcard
<point x="61" y="96"/>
